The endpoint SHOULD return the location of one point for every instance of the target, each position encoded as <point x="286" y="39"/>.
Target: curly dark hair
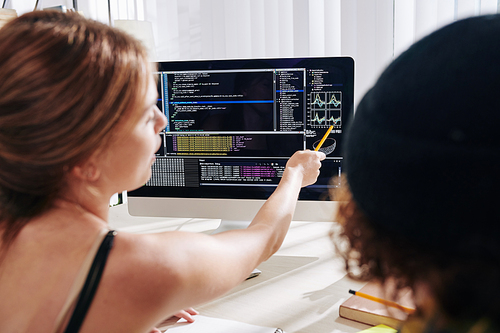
<point x="466" y="289"/>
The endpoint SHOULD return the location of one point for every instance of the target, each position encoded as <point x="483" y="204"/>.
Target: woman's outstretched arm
<point x="176" y="270"/>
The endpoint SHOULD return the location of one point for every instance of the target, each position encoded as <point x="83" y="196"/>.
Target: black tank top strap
<point x="91" y="283"/>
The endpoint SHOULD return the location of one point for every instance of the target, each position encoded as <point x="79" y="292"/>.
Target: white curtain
<point x="373" y="32"/>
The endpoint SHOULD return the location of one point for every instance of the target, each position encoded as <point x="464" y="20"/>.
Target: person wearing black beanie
<point x="422" y="164"/>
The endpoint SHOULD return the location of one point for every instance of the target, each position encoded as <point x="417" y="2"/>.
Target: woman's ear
<point x="87" y="171"/>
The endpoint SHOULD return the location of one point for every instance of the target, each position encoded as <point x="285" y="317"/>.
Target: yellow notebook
<point x="373" y="313"/>
<point x="379" y="329"/>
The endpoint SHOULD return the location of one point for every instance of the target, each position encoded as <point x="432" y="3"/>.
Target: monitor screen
<point x="233" y="124"/>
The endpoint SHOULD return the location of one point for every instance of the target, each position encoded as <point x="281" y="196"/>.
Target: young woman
<point x="79" y="122"/>
<point x="423" y="160"/>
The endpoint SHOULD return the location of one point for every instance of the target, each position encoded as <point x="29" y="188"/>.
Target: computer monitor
<point x="232" y="126"/>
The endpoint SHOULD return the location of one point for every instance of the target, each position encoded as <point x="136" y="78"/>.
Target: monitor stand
<point x="226" y="225"/>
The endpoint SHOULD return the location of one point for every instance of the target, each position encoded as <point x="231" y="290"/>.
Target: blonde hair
<point x="65" y="84"/>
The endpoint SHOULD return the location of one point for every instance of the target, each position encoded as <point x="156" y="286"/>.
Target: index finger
<point x="322" y="155"/>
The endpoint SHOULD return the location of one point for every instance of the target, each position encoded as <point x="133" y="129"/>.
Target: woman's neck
<point x="97" y="212"/>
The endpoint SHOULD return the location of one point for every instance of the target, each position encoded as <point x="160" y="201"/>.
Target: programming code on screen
<point x="233" y="124"/>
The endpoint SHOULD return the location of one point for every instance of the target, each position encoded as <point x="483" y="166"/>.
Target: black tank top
<point x="91" y="283"/>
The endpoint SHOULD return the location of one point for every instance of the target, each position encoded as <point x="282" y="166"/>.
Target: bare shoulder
<point x="149" y="277"/>
<point x="138" y="285"/>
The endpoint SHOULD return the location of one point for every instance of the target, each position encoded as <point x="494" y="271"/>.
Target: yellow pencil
<point x="383" y="301"/>
<point x="324" y="138"/>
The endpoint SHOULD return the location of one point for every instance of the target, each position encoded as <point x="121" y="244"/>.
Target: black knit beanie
<point x="423" y="150"/>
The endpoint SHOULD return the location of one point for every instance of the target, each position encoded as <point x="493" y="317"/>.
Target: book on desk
<point x="373" y="313"/>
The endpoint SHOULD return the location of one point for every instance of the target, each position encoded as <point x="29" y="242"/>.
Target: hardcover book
<point x="373" y="313"/>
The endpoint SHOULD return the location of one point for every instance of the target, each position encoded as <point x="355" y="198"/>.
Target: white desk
<point x="300" y="288"/>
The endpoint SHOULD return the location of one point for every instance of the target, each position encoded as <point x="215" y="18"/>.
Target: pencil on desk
<point x="323" y="139"/>
<point x="383" y="301"/>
